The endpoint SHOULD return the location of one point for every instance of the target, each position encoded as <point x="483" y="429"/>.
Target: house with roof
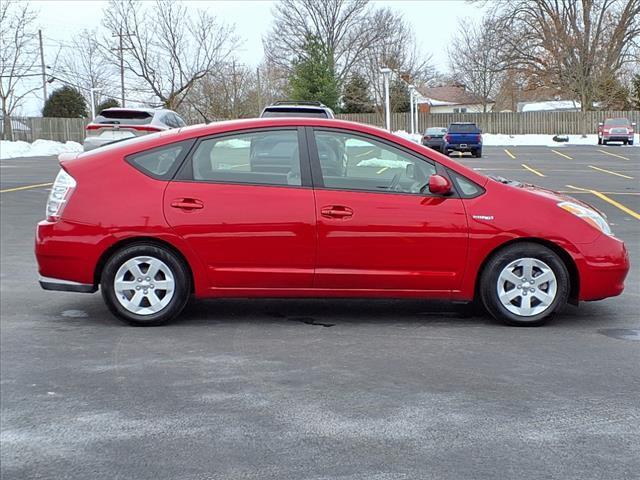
<point x="549" y="106"/>
<point x="451" y="99"/>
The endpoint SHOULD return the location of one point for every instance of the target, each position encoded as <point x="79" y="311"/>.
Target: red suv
<point x="304" y="207"/>
<point x="616" y="130"/>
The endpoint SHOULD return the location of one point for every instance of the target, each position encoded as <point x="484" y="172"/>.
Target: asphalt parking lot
<point x="323" y="389"/>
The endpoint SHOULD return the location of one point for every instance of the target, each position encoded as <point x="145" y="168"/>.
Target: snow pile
<point x="39" y="148"/>
<point x="382" y="163"/>
<point x="414" y="137"/>
<point x="498" y="139"/>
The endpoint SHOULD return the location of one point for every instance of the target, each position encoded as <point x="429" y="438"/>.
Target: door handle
<point x="187" y="204"/>
<point x="336" y="211"/>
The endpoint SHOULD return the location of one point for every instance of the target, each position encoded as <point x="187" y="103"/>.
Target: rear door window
<point x="258" y="158"/>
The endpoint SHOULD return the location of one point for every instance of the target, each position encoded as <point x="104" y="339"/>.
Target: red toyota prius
<point x="303" y="207"/>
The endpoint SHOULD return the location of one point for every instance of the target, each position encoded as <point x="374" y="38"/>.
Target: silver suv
<point x="297" y="109"/>
<point x="117" y="124"/>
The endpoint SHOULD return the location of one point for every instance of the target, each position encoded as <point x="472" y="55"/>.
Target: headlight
<point x="588" y="215"/>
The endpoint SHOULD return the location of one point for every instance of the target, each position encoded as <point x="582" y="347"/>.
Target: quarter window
<point x="159" y="162"/>
<point x="269" y="158"/>
<point x="351" y="162"/>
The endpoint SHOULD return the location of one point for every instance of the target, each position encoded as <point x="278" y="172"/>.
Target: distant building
<point x="451" y="99"/>
<point x="549" y="106"/>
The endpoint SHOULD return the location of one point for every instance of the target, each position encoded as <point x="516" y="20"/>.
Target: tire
<point x="478" y="153"/>
<point x="604" y="142"/>
<point x="631" y="143"/>
<point x="154" y="305"/>
<point x="526" y="308"/>
<point x="599" y="141"/>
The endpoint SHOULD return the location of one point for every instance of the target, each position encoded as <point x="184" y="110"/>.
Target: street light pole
<point x="415" y="105"/>
<point x="386" y="72"/>
<point x="93" y="102"/>
<point x="411" y="104"/>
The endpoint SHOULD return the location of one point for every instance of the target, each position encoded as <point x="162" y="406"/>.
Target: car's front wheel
<point x="524" y="284"/>
<point x="145" y="284"/>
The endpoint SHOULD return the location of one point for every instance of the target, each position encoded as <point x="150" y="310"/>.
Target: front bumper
<point x="618" y="138"/>
<point x="603" y="267"/>
<point x="60" y="285"/>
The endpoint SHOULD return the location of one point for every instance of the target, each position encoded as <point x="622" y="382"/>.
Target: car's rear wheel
<point x="524" y="284"/>
<point x="145" y="284"/>
<point x="599" y="141"/>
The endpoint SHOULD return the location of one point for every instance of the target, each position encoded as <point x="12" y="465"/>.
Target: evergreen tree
<point x="66" y="102"/>
<point x="355" y="97"/>
<point x="313" y="77"/>
<point x="108" y="103"/>
<point x="399" y="96"/>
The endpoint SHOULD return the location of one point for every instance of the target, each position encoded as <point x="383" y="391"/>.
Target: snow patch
<point x="414" y="137"/>
<point x="381" y="163"/>
<point x="39" y="148"/>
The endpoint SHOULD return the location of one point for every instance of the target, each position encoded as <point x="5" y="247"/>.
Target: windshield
<point x="294" y="112"/>
<point x="617" y="122"/>
<point x="463" y="128"/>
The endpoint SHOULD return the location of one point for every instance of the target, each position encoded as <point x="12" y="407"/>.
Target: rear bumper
<point x="58" y="284"/>
<point x="468" y="147"/>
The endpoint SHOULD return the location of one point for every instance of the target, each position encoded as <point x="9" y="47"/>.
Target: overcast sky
<point x="434" y="23"/>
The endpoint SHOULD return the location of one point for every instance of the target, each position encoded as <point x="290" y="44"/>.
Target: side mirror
<point x="633" y="124"/>
<point x="439" y="185"/>
<point x="600" y="124"/>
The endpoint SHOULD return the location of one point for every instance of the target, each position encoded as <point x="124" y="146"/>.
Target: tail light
<point x="61" y="190"/>
<point x="447" y="138"/>
<point x="426" y="137"/>
<point x="479" y="138"/>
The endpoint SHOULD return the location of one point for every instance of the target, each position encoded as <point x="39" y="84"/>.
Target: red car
<point x="616" y="130"/>
<point x="304" y="207"/>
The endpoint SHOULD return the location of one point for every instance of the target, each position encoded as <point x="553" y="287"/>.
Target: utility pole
<point x="121" y="50"/>
<point x="44" y="73"/>
<point x="386" y="73"/>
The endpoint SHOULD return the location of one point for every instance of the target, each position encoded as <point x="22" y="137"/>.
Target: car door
<point x="377" y="229"/>
<point x="252" y="229"/>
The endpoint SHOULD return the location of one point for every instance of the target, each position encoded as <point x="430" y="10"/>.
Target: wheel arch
<point x="574" y="276"/>
<point x="125" y="242"/>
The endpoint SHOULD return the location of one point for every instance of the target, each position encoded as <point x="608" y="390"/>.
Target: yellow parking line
<point x="609" y="171"/>
<point x="534" y="170"/>
<point x="365" y="153"/>
<point x="509" y="153"/>
<point x="26" y="187"/>
<point x="383" y="169"/>
<point x="606" y="193"/>
<point x="562" y="154"/>
<point x="611" y="201"/>
<point x="613" y="154"/>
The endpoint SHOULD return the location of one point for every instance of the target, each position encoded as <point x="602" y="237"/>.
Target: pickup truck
<point x="463" y="137"/>
<point x="615" y="130"/>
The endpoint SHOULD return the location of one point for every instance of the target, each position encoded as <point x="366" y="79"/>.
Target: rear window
<point x="294" y="112"/>
<point x="463" y="128"/>
<point x="160" y="162"/>
<point x="125" y="117"/>
<point x="617" y="122"/>
<point x="435" y="131"/>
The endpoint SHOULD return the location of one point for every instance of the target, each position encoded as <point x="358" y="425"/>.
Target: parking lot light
<point x="386" y="73"/>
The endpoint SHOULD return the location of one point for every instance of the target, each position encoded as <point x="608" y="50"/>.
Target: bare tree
<point x="574" y="45"/>
<point x="343" y="28"/>
<point x="18" y="56"/>
<point x="395" y="48"/>
<point x="166" y="47"/>
<point x="475" y="59"/>
<point x="85" y="65"/>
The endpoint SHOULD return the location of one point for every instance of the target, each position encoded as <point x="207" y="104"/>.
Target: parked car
<point x="434" y="138"/>
<point x="116" y="124"/>
<point x="616" y="130"/>
<point x="297" y="109"/>
<point x="153" y="220"/>
<point x="463" y="137"/>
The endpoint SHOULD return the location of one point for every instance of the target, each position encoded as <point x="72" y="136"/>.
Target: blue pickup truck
<point x="463" y="137"/>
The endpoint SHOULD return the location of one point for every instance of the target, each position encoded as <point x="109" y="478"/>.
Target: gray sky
<point x="434" y="22"/>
